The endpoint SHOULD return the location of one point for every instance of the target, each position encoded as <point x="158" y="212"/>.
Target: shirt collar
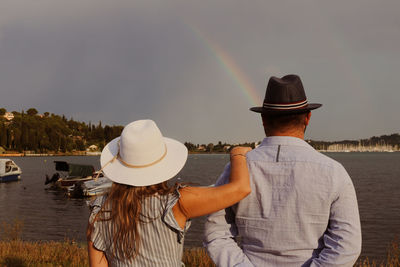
<point x="284" y="140"/>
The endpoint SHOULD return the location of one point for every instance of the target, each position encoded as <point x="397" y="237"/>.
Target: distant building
<point x="92" y="148"/>
<point x="201" y="148"/>
<point x="9" y="116"/>
<point x="226" y="148"/>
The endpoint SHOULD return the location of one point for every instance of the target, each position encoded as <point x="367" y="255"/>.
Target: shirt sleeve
<point x="169" y="218"/>
<point x="342" y="239"/>
<point x="97" y="236"/>
<point x="220" y="231"/>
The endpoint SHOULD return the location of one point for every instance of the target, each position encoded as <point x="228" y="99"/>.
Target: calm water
<point x="49" y="215"/>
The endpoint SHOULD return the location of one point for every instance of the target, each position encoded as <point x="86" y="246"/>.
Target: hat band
<point x="286" y="106"/>
<point x="118" y="156"/>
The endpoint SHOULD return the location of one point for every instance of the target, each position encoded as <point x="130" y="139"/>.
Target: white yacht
<point x="9" y="171"/>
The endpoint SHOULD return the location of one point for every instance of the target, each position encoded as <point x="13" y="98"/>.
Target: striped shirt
<point x="161" y="238"/>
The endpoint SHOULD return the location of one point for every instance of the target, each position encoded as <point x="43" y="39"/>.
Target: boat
<point x="94" y="187"/>
<point x="71" y="174"/>
<point x="9" y="171"/>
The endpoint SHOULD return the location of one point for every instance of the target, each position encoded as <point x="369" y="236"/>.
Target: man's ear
<point x="263" y="121"/>
<point x="307" y="120"/>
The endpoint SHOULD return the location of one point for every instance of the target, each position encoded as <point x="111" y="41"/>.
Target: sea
<point x="49" y="215"/>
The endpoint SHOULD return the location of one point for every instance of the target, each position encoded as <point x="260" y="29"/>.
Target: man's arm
<point x="220" y="230"/>
<point x="342" y="239"/>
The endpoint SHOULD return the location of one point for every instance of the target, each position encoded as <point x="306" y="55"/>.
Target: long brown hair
<point x="122" y="208"/>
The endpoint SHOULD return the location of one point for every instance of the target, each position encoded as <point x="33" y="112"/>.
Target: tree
<point x="9" y="138"/>
<point x="99" y="133"/>
<point x="63" y="144"/>
<point x="32" y="140"/>
<point x="52" y="133"/>
<point x="108" y="133"/>
<point x="190" y="146"/>
<point x="3" y="111"/>
<point x="210" y="147"/>
<point x="3" y="135"/>
<point x="80" y="145"/>
<point x="16" y="140"/>
<point x="32" y="112"/>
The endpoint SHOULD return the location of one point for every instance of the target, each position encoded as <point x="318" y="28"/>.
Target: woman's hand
<point x="198" y="201"/>
<point x="239" y="150"/>
<point x="239" y="171"/>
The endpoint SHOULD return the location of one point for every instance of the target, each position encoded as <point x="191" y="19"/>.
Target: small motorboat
<point x="9" y="171"/>
<point x="71" y="174"/>
<point x="95" y="187"/>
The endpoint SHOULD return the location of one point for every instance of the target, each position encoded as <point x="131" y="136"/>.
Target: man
<point x="302" y="210"/>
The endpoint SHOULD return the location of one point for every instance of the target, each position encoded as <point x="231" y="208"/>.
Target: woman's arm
<point x="199" y="201"/>
<point x="96" y="257"/>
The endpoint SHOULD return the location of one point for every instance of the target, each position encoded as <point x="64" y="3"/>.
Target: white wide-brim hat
<point x="141" y="156"/>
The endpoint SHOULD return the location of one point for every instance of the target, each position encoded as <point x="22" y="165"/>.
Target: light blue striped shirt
<point x="302" y="211"/>
<point x="161" y="238"/>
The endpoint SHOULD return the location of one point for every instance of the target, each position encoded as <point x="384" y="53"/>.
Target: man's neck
<point x="297" y="134"/>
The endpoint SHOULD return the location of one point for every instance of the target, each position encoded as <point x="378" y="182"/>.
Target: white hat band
<point x="286" y="106"/>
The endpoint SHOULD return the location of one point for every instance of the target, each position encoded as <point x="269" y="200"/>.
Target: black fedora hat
<point x="285" y="96"/>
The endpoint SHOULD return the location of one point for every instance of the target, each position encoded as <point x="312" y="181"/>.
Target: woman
<point x="142" y="221"/>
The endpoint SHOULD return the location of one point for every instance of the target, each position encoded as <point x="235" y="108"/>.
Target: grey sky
<point x="119" y="61"/>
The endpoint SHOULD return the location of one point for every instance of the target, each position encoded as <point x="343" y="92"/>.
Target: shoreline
<point x="83" y="153"/>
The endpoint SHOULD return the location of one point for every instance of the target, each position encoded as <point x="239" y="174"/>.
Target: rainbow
<point x="230" y="67"/>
